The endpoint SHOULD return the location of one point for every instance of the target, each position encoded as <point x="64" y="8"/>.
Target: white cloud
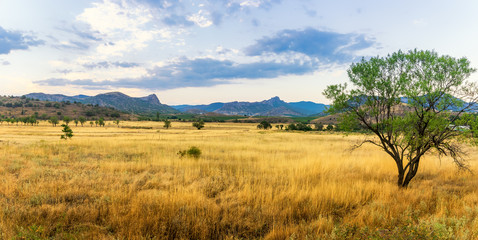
<point x="124" y="27"/>
<point x="251" y="3"/>
<point x="201" y="18"/>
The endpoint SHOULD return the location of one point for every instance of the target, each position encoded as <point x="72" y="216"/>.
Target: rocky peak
<point x="152" y="98"/>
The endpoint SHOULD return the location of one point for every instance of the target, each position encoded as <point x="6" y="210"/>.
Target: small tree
<point x="167" y="124"/>
<point x="101" y="122"/>
<point x="91" y="123"/>
<point x="67" y="132"/>
<point x="319" y="126"/>
<point x="76" y="122"/>
<point x="117" y="122"/>
<point x="436" y="94"/>
<point x="198" y="124"/>
<point x="66" y="120"/>
<point x="54" y="121"/>
<point x="82" y="120"/>
<point x="264" y="125"/>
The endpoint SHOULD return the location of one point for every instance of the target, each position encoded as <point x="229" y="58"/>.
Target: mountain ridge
<point x="271" y="107"/>
<point x="151" y="104"/>
<point x="117" y="100"/>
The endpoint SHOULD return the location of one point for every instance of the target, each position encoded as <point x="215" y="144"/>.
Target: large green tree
<point x="411" y="102"/>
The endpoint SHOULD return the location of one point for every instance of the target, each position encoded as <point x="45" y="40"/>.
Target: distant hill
<point x="17" y="107"/>
<point x="308" y="108"/>
<point x="199" y="108"/>
<point x="272" y="107"/>
<point x="117" y="100"/>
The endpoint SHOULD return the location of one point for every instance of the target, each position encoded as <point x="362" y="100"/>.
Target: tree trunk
<point x="400" y="178"/>
<point x="412" y="171"/>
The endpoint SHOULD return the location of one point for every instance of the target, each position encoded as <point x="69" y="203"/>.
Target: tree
<point x="91" y="123"/>
<point x="67" y="132"/>
<point x="117" y="122"/>
<point x="82" y="120"/>
<point x="198" y="124"/>
<point x="53" y="120"/>
<point x="76" y="122"/>
<point x="264" y="125"/>
<point x="66" y="120"/>
<point x="167" y="124"/>
<point x="101" y="122"/>
<point x="319" y="126"/>
<point x="436" y="93"/>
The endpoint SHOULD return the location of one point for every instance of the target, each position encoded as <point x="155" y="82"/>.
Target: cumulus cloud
<point x="200" y="72"/>
<point x="323" y="45"/>
<point x="16" y="40"/>
<point x="122" y="27"/>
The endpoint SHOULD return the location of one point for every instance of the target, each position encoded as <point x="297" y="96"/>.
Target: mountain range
<point x="151" y="104"/>
<point x="272" y="107"/>
<point x="117" y="100"/>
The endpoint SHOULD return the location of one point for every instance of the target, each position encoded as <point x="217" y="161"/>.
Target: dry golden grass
<point x="119" y="183"/>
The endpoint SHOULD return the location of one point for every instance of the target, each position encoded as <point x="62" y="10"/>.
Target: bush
<point x="198" y="124"/>
<point x="264" y="125"/>
<point x="193" y="151"/>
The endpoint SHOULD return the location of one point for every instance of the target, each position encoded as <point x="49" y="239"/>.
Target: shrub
<point x="193" y="151"/>
<point x="264" y="125"/>
<point x="198" y="124"/>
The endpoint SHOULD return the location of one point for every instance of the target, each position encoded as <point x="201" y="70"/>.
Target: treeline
<point x="33" y="120"/>
<point x="297" y="126"/>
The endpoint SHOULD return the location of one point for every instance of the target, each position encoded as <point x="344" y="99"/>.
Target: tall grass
<point x="119" y="183"/>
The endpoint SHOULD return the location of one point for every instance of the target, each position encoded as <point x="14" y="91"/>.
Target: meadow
<point x="127" y="183"/>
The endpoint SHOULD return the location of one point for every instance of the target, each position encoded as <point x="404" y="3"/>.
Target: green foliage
<point x="431" y="85"/>
<point x="264" y="125"/>
<point x="67" y="132"/>
<point x="167" y="124"/>
<point x="193" y="152"/>
<point x="53" y="120"/>
<point x="82" y="120"/>
<point x="66" y="120"/>
<point x="198" y="124"/>
<point x="319" y="126"/>
<point x="298" y="127"/>
<point x="115" y="115"/>
<point x="101" y="122"/>
<point x="33" y="232"/>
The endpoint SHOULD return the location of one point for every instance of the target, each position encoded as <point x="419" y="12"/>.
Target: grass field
<point x="125" y="183"/>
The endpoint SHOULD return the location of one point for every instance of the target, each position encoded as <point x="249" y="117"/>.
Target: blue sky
<point x="198" y="52"/>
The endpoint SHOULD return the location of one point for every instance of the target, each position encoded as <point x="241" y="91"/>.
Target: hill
<point x="272" y="107"/>
<point x="16" y="107"/>
<point x="308" y="108"/>
<point x="117" y="100"/>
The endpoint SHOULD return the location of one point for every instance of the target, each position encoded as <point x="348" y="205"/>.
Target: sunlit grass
<point x="126" y="183"/>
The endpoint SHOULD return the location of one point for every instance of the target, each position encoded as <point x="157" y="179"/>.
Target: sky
<point x="200" y="52"/>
